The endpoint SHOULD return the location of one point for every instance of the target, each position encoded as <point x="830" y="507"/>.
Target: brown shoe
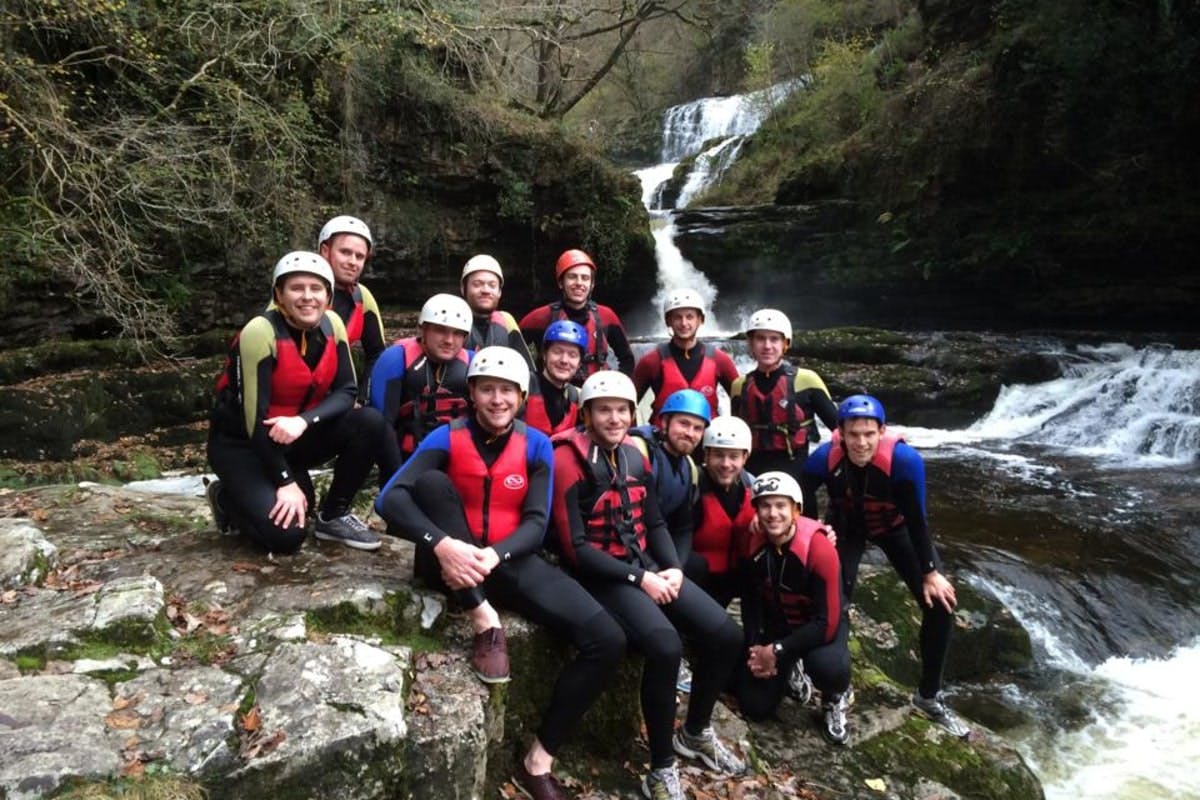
<point x="537" y="787"/>
<point x="489" y="656"/>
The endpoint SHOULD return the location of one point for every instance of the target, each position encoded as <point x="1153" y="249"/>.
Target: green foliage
<point x="154" y="785"/>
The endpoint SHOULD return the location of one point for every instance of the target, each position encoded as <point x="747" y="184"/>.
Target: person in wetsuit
<point x="613" y="537"/>
<point x="575" y="273"/>
<point x="346" y="243"/>
<point x="475" y="499"/>
<point x="284" y="404"/>
<point x="553" y="404"/>
<point x="482" y="285"/>
<point x="876" y="487"/>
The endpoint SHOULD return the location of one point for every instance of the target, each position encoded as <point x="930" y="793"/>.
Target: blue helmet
<point x="564" y="330"/>
<point x="687" y="401"/>
<point x="860" y="406"/>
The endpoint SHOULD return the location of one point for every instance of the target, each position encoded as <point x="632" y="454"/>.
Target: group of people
<point x="509" y="454"/>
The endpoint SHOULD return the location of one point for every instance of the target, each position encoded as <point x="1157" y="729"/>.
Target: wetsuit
<point x="550" y="409"/>
<point x="416" y="394"/>
<point x="668" y="368"/>
<point x="605" y="334"/>
<point x="611" y="532"/>
<point x="782" y="409"/>
<point x="364" y="323"/>
<point x="883" y="503"/>
<point x="277" y="370"/>
<point x="675" y="479"/>
<point x="721" y="536"/>
<point x="498" y="329"/>
<point x="793" y="596"/>
<point x="494" y="491"/>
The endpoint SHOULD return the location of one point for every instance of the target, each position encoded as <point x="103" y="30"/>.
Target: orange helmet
<point x="572" y="258"/>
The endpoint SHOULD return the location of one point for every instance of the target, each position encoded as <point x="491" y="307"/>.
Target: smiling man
<point x="475" y="499"/>
<point x="575" y="273"/>
<point x="482" y="286"/>
<point x="876" y="486"/>
<point x="346" y="243"/>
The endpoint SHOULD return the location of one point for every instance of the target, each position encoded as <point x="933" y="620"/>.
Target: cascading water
<point x="723" y="124"/>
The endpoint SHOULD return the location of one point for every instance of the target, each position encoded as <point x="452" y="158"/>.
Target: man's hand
<point x="830" y="533"/>
<point x="657" y="588"/>
<point x="936" y="587"/>
<point x="674" y="579"/>
<point x="290" y="505"/>
<point x="463" y="565"/>
<point x="761" y="660"/>
<point x="285" y="430"/>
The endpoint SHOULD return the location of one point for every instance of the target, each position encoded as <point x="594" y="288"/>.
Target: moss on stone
<point x="391" y="626"/>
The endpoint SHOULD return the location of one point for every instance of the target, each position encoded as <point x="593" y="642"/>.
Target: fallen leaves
<point x="253" y="740"/>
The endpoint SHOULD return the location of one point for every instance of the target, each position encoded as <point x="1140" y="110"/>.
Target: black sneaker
<point x="347" y="529"/>
<point x="212" y="493"/>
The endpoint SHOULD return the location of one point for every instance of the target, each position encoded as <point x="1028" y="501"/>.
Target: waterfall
<point x="723" y="124"/>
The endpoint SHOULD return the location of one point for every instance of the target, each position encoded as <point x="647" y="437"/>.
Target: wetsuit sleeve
<point x="727" y="371"/>
<point x="345" y="389"/>
<point x="908" y="488"/>
<point x="256" y="355"/>
<point x="570" y="491"/>
<point x="648" y="368"/>
<point x="824" y="590"/>
<point x="812" y="394"/>
<point x="681" y="524"/>
<point x="535" y="511"/>
<point x="374" y="340"/>
<point x="533" y="327"/>
<point x="618" y="342"/>
<point x="812" y="478"/>
<point x="735" y="397"/>
<point x="658" y="535"/>
<point x="395" y="502"/>
<point x="387" y="382"/>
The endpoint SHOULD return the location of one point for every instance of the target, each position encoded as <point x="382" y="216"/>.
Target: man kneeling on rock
<point x="475" y="499"/>
<point x="792" y="608"/>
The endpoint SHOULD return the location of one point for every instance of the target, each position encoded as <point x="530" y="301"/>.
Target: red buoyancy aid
<point x="537" y="417"/>
<point x="430" y="400"/>
<point x="596" y="356"/>
<point x="354" y="325"/>
<point x="615" y="522"/>
<point x="778" y="421"/>
<point x="719" y="540"/>
<point x="705" y="381"/>
<point x="493" y="497"/>
<point x="795" y="606"/>
<point x="294" y="386"/>
<point x="880" y="513"/>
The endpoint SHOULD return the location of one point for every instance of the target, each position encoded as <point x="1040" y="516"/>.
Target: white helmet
<point x="770" y="319"/>
<point x="728" y="431"/>
<point x="777" y="483"/>
<point x="500" y="362"/>
<point x="345" y="224"/>
<point x="607" y="383"/>
<point x="483" y="263"/>
<point x="448" y="310"/>
<point x="306" y="262"/>
<point x="683" y="298"/>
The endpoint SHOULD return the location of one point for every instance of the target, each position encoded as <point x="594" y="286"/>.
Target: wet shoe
<point x="799" y="685"/>
<point x="708" y="748"/>
<point x="489" y="656"/>
<point x="347" y="529"/>
<point x="537" y="787"/>
<point x="683" y="683"/>
<point x="836" y="714"/>
<point x="212" y="493"/>
<point x="937" y="712"/>
<point x="663" y="784"/>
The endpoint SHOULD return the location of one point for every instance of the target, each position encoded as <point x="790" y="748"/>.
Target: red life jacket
<point x="795" y="606"/>
<point x="596" y="356"/>
<point x="615" y="522"/>
<point x="429" y="402"/>
<point x="354" y="324"/>
<point x="537" y="417"/>
<point x="719" y="540"/>
<point x="704" y="382"/>
<point x="493" y="497"/>
<point x="294" y="386"/>
<point x="777" y="420"/>
<point x="879" y="510"/>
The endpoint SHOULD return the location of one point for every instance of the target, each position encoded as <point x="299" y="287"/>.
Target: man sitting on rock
<point x="792" y="609"/>
<point x="876" y="485"/>
<point x="475" y="499"/>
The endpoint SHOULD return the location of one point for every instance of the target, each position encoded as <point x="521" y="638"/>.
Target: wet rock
<point x="447" y="754"/>
<point x="25" y="553"/>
